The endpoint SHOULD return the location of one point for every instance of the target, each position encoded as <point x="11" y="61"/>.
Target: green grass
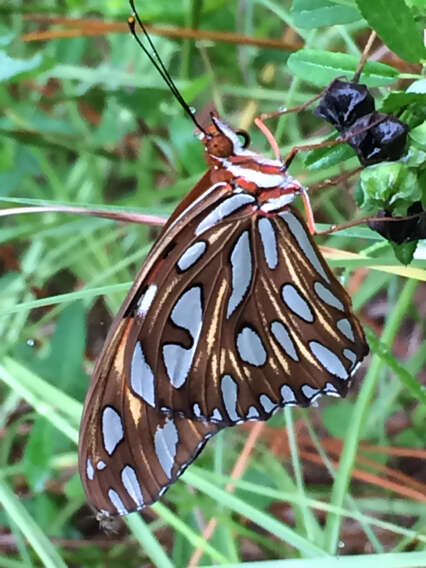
<point x="88" y="122"/>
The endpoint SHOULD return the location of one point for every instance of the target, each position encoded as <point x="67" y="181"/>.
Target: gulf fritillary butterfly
<point x="233" y="315"/>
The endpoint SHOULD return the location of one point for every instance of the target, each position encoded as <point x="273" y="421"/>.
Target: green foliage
<point x="87" y="121"/>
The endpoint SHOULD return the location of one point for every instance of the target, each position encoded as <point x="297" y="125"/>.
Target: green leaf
<point x="394" y="23"/>
<point x="37" y="454"/>
<point x="391" y="186"/>
<point x="419" y="135"/>
<point x="317" y="13"/>
<point x="328" y="156"/>
<point x="321" y="67"/>
<point x="404" y="252"/>
<point x="398" y="99"/>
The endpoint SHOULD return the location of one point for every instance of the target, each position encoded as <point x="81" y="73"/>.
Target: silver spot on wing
<point x="350" y="355"/>
<point x="216" y="416"/>
<point x="283" y="337"/>
<point x="327" y="296"/>
<point x="287" y="395"/>
<point x="267" y="404"/>
<point x="299" y="232"/>
<point x="345" y="327"/>
<point x="252" y="413"/>
<point x="269" y="242"/>
<point x="242" y="271"/>
<point x="310" y="392"/>
<point x="131" y="483"/>
<point x="223" y="210"/>
<point x="165" y="443"/>
<point x="112" y="429"/>
<point x="101" y="465"/>
<point x="328" y="359"/>
<point x="141" y="376"/>
<point x="192" y="255"/>
<point x="230" y="397"/>
<point x="355" y="369"/>
<point x="296" y="302"/>
<point x="146" y="300"/>
<point x="250" y="347"/>
<point x="90" y="470"/>
<point x="188" y="314"/>
<point x="330" y="390"/>
<point x="117" y="502"/>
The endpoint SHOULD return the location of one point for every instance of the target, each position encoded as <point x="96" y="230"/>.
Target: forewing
<point x="244" y="317"/>
<point x="129" y="452"/>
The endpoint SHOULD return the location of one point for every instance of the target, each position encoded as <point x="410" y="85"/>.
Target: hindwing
<point x="131" y="452"/>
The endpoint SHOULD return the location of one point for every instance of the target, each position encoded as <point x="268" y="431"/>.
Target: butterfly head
<point x="221" y="141"/>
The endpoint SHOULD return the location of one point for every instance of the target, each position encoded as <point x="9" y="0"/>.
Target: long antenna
<point x="156" y="60"/>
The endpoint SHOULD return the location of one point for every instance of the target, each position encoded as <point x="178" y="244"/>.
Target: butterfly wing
<point x="241" y="317"/>
<point x="129" y="452"/>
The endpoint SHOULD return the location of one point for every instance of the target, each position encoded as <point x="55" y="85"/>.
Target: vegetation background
<point x="87" y="121"/>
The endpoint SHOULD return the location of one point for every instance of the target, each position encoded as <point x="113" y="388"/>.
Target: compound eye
<point x="245" y="138"/>
<point x="220" y="146"/>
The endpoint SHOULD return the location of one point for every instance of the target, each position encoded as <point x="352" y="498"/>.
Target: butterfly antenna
<point x="156" y="60"/>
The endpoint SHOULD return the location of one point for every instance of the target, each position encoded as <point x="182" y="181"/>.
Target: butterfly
<point x="233" y="315"/>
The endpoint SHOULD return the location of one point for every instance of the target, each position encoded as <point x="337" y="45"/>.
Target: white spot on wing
<point x="196" y="410"/>
<point x="223" y="210"/>
<point x="117" y="502"/>
<point x="327" y="296"/>
<point x="252" y="413"/>
<point x="328" y="359"/>
<point x="267" y="403"/>
<point x="132" y="485"/>
<point x="287" y="395"/>
<point x="192" y="255"/>
<point x="350" y="355"/>
<point x="141" y="376"/>
<point x="297" y="304"/>
<point x="310" y="392"/>
<point x="200" y="198"/>
<point x="216" y="416"/>
<point x="188" y="314"/>
<point x="112" y="429"/>
<point x="165" y="443"/>
<point x="242" y="271"/>
<point x="301" y="235"/>
<point x="101" y="465"/>
<point x="269" y="242"/>
<point x="90" y="471"/>
<point x="345" y="327"/>
<point x="146" y="300"/>
<point x="355" y="369"/>
<point x="275" y="203"/>
<point x="282" y="335"/>
<point x="250" y="347"/>
<point x="230" y="397"/>
<point x="330" y="390"/>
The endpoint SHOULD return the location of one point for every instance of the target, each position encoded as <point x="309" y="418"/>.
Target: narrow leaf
<point x="318" y="13"/>
<point x="321" y="67"/>
<point x="395" y="24"/>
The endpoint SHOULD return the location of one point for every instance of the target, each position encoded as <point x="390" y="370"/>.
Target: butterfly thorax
<point x="245" y="170"/>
